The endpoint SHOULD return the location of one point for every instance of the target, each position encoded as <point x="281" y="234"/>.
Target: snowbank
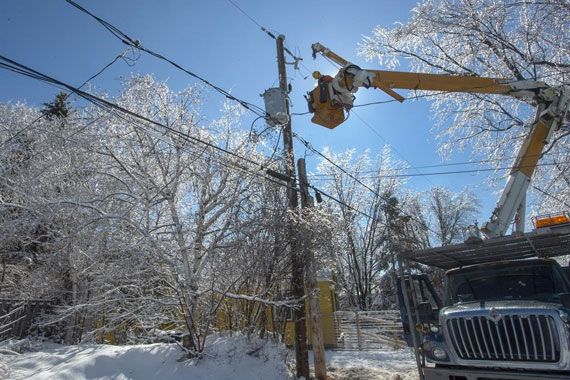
<point x="225" y="358"/>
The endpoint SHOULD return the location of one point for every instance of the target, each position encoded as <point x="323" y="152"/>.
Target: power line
<point x="399" y="169"/>
<point x="228" y="164"/>
<point x="544" y="192"/>
<point x="271" y="173"/>
<point x="392" y="147"/>
<point x="445" y="173"/>
<point x="246" y="15"/>
<point x="137" y="44"/>
<point x="120" y="56"/>
<point x="296" y="58"/>
<point x="18" y="68"/>
<point x="126" y="39"/>
<point x="24" y="70"/>
<point x="330" y="161"/>
<point x="342" y="203"/>
<point x="265" y="30"/>
<point x="396" y="100"/>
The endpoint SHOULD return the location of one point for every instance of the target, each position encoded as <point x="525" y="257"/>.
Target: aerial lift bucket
<point x="326" y="111"/>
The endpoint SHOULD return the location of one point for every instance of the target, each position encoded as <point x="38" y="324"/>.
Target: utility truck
<point x="505" y="311"/>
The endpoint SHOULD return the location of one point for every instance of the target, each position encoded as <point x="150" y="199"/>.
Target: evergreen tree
<point x="58" y="108"/>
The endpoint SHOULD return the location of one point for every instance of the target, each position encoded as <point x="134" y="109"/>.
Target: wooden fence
<point x="368" y="330"/>
<point x="16" y="316"/>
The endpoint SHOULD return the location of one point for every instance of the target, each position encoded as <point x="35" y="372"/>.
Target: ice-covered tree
<point x="451" y="214"/>
<point x="361" y="253"/>
<point x="141" y="226"/>
<point x="185" y="195"/>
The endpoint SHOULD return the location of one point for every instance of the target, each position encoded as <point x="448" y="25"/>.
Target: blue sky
<point x="216" y="41"/>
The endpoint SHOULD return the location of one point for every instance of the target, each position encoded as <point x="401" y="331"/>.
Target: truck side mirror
<point x="565" y="300"/>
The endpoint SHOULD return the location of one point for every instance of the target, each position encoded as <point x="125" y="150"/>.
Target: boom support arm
<point x="333" y="96"/>
<point x="549" y="116"/>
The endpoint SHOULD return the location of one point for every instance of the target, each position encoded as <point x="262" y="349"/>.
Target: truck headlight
<point x="439" y="353"/>
<point x="434" y="329"/>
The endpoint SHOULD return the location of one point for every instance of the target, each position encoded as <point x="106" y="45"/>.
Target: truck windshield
<point x="533" y="282"/>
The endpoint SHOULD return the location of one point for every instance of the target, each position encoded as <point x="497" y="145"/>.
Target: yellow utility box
<point x="327" y="305"/>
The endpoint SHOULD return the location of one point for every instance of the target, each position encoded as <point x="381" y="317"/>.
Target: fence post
<point x="358" y="336"/>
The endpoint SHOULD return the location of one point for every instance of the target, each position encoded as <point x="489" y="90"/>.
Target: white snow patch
<point x="225" y="358"/>
<point x="4" y="368"/>
<point x="369" y="365"/>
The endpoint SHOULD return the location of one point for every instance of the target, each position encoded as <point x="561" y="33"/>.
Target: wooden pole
<point x="297" y="283"/>
<point x="311" y="281"/>
<point x="358" y="332"/>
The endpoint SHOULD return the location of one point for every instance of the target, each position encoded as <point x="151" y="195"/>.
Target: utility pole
<point x="297" y="283"/>
<point x="311" y="282"/>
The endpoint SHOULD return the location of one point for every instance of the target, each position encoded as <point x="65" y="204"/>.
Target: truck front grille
<point x="529" y="338"/>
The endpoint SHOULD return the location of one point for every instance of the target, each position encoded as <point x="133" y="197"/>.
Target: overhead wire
<point x="544" y="192"/>
<point x="392" y="147"/>
<point x="8" y="64"/>
<point x="296" y="58"/>
<point x="128" y="61"/>
<point x="325" y="177"/>
<point x="247" y="15"/>
<point x="309" y="146"/>
<point x="16" y="67"/>
<point x="137" y="44"/>
<point x="21" y="69"/>
<point x="342" y="203"/>
<point x="113" y="107"/>
<point x="120" y="56"/>
<point x="126" y="39"/>
<point x="228" y="164"/>
<point x="400" y="169"/>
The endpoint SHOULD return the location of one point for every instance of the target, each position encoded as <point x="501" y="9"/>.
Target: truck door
<point x="424" y="304"/>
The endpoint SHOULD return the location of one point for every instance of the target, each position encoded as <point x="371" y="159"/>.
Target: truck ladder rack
<point x="551" y="242"/>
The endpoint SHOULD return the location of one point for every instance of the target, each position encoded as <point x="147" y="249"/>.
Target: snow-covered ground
<point x="235" y="358"/>
<point x="371" y="365"/>
<point x="225" y="358"/>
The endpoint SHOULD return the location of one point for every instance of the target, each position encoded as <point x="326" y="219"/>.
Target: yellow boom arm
<point x="332" y="96"/>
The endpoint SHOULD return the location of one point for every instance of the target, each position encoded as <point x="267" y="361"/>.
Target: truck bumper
<point x="488" y="374"/>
